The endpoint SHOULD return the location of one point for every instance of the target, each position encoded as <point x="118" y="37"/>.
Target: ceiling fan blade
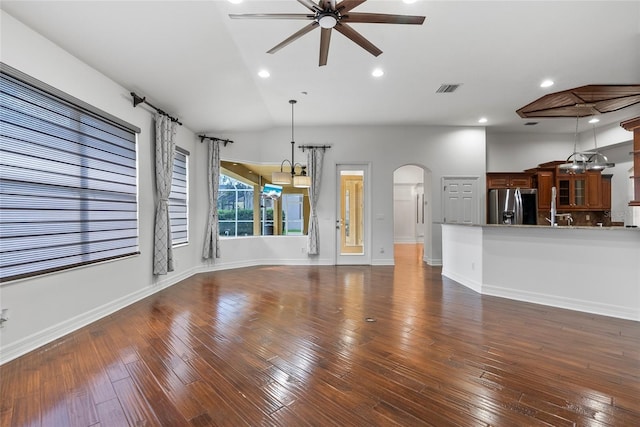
<point x="357" y="38"/>
<point x="383" y="18"/>
<point x="346" y="5"/>
<point x="309" y="5"/>
<point x="325" y="38"/>
<point x="293" y="37"/>
<point x="270" y="16"/>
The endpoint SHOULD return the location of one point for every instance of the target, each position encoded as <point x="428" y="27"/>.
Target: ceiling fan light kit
<point x="328" y="15"/>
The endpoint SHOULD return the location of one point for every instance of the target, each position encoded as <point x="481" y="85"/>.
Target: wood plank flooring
<point x="292" y="346"/>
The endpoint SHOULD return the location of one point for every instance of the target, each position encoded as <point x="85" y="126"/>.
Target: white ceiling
<point x="190" y="59"/>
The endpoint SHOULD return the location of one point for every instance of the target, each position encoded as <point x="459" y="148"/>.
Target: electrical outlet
<point x="381" y="250"/>
<point x="4" y="316"/>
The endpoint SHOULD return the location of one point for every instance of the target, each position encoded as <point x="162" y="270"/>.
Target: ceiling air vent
<point x="448" y="87"/>
<point x="531" y="123"/>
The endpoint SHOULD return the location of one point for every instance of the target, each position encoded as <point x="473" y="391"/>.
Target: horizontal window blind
<point x="178" y="212"/>
<point x="68" y="183"/>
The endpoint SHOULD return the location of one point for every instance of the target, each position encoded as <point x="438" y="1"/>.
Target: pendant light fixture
<point x="300" y="180"/>
<point x="582" y="161"/>
<point x="576" y="162"/>
<point x="597" y="161"/>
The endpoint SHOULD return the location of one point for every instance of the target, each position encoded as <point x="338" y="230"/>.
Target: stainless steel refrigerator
<point x="513" y="206"/>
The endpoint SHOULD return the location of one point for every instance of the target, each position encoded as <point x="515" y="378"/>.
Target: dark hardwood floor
<point x="293" y="346"/>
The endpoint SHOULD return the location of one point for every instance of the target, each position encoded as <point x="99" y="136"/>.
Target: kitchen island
<point x="590" y="269"/>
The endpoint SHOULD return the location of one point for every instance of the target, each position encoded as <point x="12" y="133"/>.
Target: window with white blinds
<point x="178" y="213"/>
<point x="68" y="181"/>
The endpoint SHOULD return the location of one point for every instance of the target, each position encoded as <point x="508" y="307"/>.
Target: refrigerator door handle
<point x="518" y="200"/>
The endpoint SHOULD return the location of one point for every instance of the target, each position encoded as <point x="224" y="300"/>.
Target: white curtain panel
<point x="315" y="159"/>
<point x="211" y="239"/>
<point x="165" y="148"/>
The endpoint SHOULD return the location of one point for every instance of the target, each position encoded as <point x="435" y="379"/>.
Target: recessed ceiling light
<point x="594" y="120"/>
<point x="409" y="1"/>
<point x="483" y="120"/>
<point x="546" y="83"/>
<point x="264" y="74"/>
<point x="377" y="72"/>
<point x="235" y="1"/>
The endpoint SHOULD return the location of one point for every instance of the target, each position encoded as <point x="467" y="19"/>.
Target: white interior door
<point x="460" y="200"/>
<point x="352" y="215"/>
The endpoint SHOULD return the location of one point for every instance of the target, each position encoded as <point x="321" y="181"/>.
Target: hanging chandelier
<point x="597" y="161"/>
<point x="582" y="161"/>
<point x="299" y="180"/>
<point x="576" y="162"/>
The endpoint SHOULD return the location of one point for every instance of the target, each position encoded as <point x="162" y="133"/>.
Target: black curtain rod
<point x="139" y="100"/>
<point x="307" y="147"/>
<point x="214" y="139"/>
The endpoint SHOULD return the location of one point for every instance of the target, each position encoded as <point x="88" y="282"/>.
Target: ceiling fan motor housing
<point x="327" y="19"/>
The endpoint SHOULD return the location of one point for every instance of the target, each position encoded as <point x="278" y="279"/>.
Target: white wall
<point x="509" y="152"/>
<point x="513" y="152"/>
<point x="620" y="194"/>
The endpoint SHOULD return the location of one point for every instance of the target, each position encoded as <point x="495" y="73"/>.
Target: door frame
<point x="366" y="258"/>
<point x="478" y="191"/>
<point x="427" y="206"/>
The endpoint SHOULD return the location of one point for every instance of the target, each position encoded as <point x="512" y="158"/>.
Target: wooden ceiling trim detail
<point x="583" y="101"/>
<point x="633" y="125"/>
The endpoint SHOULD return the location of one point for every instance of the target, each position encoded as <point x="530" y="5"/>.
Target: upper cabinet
<point x="579" y="191"/>
<point x="509" y="180"/>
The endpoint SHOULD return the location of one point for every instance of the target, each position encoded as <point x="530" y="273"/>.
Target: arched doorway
<point x="412" y="211"/>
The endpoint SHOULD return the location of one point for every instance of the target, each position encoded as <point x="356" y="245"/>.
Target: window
<point x="292" y="214"/>
<point x="267" y="209"/>
<point x="178" y="212"/>
<point x="68" y="193"/>
<point x="235" y="207"/>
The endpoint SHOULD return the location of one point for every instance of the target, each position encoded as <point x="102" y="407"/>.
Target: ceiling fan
<point x="328" y="15"/>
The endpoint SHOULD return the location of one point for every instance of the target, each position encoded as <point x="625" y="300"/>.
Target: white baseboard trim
<point x="464" y="281"/>
<point x="218" y="266"/>
<point x="54" y="332"/>
<point x="563" y="302"/>
<point x="434" y="262"/>
<point x="383" y="262"/>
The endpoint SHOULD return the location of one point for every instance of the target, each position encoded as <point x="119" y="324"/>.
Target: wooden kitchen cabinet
<point x="580" y="191"/>
<point x="509" y="180"/>
<point x="606" y="191"/>
<point x="545" y="182"/>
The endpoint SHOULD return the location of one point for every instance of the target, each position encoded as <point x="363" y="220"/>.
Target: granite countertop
<point x="558" y="227"/>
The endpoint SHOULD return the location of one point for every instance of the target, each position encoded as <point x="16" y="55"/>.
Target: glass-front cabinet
<point x="578" y="190"/>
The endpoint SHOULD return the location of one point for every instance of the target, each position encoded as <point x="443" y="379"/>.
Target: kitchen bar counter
<point x="591" y="269"/>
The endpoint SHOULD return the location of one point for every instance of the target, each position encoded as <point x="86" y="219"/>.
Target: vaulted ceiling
<point x="193" y="61"/>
